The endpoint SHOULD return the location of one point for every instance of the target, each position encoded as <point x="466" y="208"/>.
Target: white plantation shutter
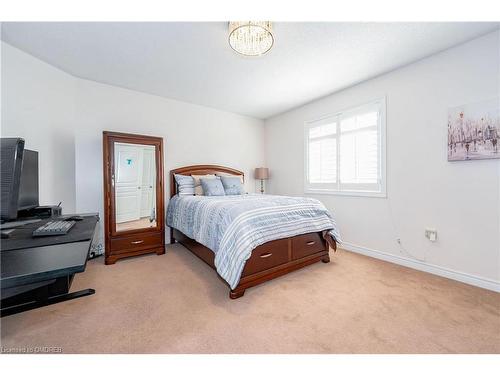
<point x="323" y="153"/>
<point x="344" y="152"/>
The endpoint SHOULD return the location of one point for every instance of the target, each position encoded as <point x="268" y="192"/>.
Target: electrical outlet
<point x="431" y="234"/>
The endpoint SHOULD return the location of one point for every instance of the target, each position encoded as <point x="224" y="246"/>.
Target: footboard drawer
<point x="266" y="256"/>
<point x="307" y="244"/>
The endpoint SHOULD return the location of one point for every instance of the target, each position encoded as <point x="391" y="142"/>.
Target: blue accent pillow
<point x="232" y="185"/>
<point x="185" y="184"/>
<point x="212" y="187"/>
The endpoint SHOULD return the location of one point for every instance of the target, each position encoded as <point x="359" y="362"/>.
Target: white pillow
<point x="231" y="175"/>
<point x="198" y="190"/>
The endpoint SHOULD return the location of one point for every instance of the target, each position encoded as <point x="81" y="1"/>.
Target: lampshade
<point x="261" y="173"/>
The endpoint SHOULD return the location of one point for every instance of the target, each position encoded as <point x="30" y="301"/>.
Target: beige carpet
<point x="136" y="224"/>
<point x="174" y="303"/>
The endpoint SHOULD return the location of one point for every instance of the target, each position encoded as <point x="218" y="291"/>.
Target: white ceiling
<point x="193" y="62"/>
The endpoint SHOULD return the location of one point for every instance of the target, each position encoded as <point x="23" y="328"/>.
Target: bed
<point x="248" y="264"/>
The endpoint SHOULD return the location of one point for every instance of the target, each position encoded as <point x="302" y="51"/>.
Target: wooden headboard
<point x="199" y="170"/>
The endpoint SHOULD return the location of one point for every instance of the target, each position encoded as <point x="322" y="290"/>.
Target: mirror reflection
<point x="135" y="186"/>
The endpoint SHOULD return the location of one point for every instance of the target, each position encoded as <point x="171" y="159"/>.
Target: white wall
<point x="62" y="117"/>
<point x="38" y="105"/>
<point x="459" y="199"/>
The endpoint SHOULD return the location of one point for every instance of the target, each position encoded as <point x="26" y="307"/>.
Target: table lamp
<point x="262" y="174"/>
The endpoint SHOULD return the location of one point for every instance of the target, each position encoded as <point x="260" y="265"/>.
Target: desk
<point x="32" y="277"/>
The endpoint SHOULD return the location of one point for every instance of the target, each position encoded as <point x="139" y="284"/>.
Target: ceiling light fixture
<point x="251" y="38"/>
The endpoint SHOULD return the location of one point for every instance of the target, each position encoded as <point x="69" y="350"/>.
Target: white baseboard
<point x="426" y="267"/>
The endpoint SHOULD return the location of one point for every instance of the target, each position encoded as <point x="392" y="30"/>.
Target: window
<point x="345" y="152"/>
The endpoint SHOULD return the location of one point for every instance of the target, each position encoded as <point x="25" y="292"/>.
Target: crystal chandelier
<point x="251" y="38"/>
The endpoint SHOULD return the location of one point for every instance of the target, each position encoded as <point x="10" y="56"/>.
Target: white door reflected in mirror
<point x="135" y="185"/>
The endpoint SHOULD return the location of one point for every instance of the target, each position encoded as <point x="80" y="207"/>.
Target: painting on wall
<point x="474" y="131"/>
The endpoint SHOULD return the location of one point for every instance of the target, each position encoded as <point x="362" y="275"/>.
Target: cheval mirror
<point x="133" y="195"/>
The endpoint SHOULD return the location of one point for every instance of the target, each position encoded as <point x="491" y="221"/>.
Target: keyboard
<point x="54" y="228"/>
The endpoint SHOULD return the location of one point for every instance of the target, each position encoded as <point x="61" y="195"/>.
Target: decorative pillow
<point x="212" y="187"/>
<point x="185" y="184"/>
<point x="232" y="185"/>
<point x="198" y="190"/>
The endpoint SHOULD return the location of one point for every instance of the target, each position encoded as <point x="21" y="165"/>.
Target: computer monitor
<point x="28" y="186"/>
<point x="19" y="178"/>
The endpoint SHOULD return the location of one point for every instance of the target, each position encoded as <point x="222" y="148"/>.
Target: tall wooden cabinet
<point x="133" y="195"/>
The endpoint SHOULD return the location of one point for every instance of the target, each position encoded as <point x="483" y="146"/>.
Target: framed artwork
<point x="474" y="131"/>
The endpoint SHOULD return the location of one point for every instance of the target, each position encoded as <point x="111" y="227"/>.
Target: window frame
<point x="337" y="189"/>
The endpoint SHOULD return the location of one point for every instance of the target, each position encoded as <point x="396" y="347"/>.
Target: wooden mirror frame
<point x="121" y="244"/>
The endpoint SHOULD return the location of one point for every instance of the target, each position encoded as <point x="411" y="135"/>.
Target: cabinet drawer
<point x="136" y="242"/>
<point x="307" y="244"/>
<point x="266" y="256"/>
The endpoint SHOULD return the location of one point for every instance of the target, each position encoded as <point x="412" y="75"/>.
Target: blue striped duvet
<point x="232" y="226"/>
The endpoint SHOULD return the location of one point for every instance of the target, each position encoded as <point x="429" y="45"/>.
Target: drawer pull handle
<point x="310" y="243"/>
<point x="266" y="255"/>
<point x="137" y="242"/>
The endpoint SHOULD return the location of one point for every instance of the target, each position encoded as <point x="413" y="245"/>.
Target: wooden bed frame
<point x="269" y="260"/>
